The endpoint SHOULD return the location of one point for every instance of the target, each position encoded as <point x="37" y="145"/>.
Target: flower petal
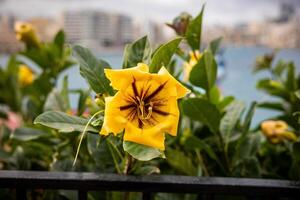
<point x="153" y="137"/>
<point x="120" y="79"/>
<point x="173" y="118"/>
<point x="181" y="90"/>
<point x="113" y="121"/>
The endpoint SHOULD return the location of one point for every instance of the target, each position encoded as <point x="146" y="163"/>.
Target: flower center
<point x="145" y="104"/>
<point x="144" y="110"/>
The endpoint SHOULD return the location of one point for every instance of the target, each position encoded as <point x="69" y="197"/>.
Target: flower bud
<point x="180" y="23"/>
<point x="26" y="33"/>
<point x="25" y="75"/>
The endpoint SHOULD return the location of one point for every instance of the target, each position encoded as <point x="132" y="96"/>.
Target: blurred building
<point x="124" y="30"/>
<point x="98" y="29"/>
<point x="46" y="28"/>
<point x="8" y="41"/>
<point x="280" y="32"/>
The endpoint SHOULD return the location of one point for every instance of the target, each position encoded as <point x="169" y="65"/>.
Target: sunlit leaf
<point x="204" y="73"/>
<point x="203" y="111"/>
<point x="194" y="30"/>
<point x="27" y="134"/>
<point x="138" y="51"/>
<point x="63" y="122"/>
<point x="181" y="162"/>
<point x="163" y="55"/>
<point x="141" y="152"/>
<point x="215" y="45"/>
<point x="92" y="70"/>
<point x="230" y="119"/>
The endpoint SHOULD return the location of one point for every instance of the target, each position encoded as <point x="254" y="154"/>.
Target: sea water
<point x="238" y="81"/>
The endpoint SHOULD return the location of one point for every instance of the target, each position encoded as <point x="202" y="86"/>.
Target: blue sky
<point x="217" y="11"/>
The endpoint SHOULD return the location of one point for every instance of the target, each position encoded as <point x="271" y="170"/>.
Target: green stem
<point x="116" y="149"/>
<point x="127" y="165"/>
<point x="200" y="158"/>
<point x="114" y="158"/>
<point x="224" y="150"/>
<point x="83" y="134"/>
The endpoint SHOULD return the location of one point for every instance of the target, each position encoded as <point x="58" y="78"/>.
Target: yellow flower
<point x="26" y="75"/>
<point x="277" y="131"/>
<point x="188" y="66"/>
<point x="26" y="33"/>
<point x="145" y="105"/>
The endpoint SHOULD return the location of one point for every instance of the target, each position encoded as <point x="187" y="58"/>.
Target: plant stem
<point x="127" y="167"/>
<point x="225" y="154"/>
<point x="83" y="134"/>
<point x="200" y="158"/>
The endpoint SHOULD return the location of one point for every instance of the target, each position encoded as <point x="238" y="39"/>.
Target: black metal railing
<point x="206" y="187"/>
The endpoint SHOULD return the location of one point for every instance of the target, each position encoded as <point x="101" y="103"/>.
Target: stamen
<point x="149" y="113"/>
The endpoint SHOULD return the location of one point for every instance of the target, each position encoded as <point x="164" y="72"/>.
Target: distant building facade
<point x="97" y="28"/>
<point x="8" y="41"/>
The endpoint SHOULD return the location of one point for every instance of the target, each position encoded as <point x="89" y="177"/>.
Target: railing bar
<point x="21" y="194"/>
<point x="155" y="183"/>
<point x="82" y="195"/>
<point x="147" y="195"/>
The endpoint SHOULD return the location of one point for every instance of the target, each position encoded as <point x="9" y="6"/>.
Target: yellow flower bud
<point x="277" y="131"/>
<point x="188" y="66"/>
<point x="26" y="75"/>
<point x="26" y="33"/>
<point x="289" y="136"/>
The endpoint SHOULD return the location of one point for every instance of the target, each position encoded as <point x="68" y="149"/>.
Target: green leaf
<point x="294" y="172"/>
<point x="63" y="122"/>
<point x="138" y="51"/>
<point x="246" y="126"/>
<point x="163" y="55"/>
<point x="225" y="102"/>
<point x="181" y="162"/>
<point x="248" y="118"/>
<point x="92" y="70"/>
<point x="279" y="68"/>
<point x="55" y="102"/>
<point x="59" y="39"/>
<point x="203" y="111"/>
<point x="99" y="151"/>
<point x="83" y="96"/>
<point x="204" y="73"/>
<point x="214" y="45"/>
<point x="230" y="119"/>
<point x="296" y="151"/>
<point x="215" y="95"/>
<point x="65" y="93"/>
<point x="291" y="82"/>
<point x="272" y="105"/>
<point x="141" y="152"/>
<point x="247" y="167"/>
<point x="297" y="93"/>
<point x="272" y="87"/>
<point x="248" y="147"/>
<point x="27" y="134"/>
<point x="193" y="32"/>
<point x="192" y="142"/>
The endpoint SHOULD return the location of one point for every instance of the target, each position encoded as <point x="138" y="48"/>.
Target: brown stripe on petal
<point x="160" y="112"/>
<point x="144" y="92"/>
<point x="155" y="92"/>
<point x="127" y="107"/>
<point x="131" y="115"/>
<point x="134" y="88"/>
<point x="140" y="123"/>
